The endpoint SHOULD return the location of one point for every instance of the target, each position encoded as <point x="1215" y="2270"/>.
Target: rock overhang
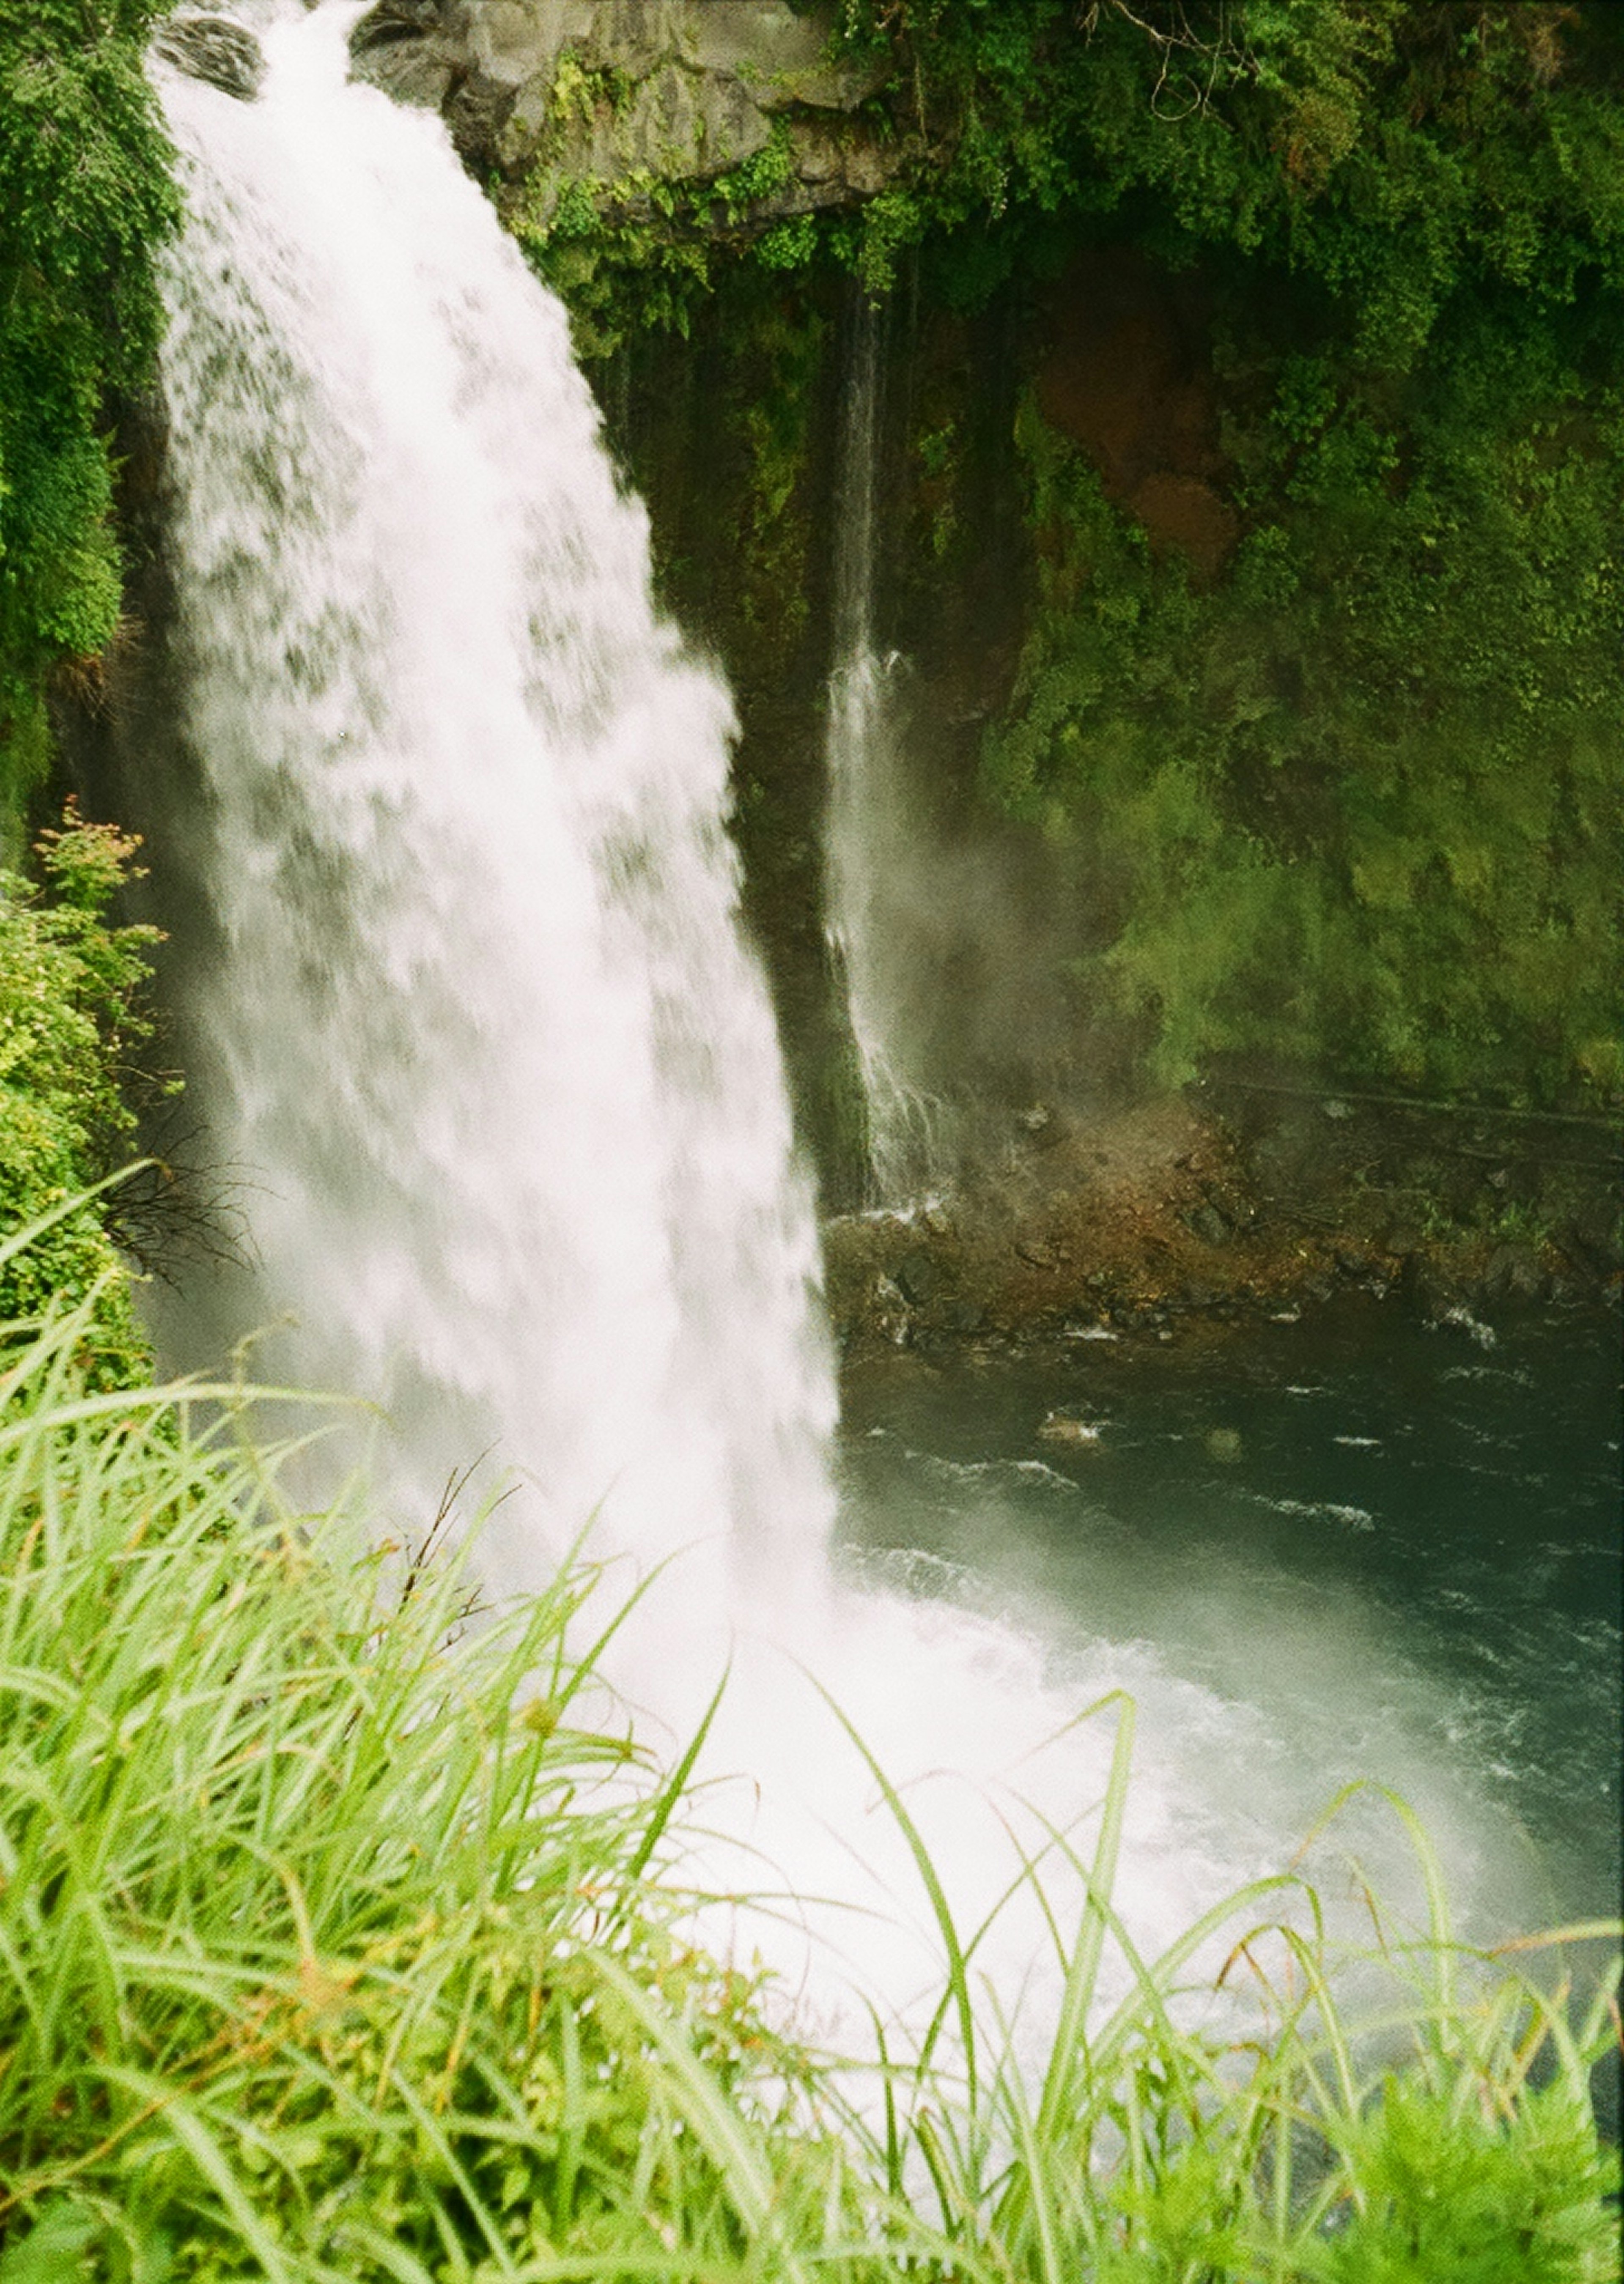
<point x="608" y="93"/>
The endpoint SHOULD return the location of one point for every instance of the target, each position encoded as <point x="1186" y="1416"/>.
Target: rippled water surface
<point x="1396" y="1549"/>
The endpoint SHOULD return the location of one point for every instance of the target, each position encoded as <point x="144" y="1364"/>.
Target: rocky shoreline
<point x="1241" y="1200"/>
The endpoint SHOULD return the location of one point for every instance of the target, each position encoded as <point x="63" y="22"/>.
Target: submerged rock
<point x="1598" y="1233"/>
<point x="920" y="1277"/>
<point x="1516" y="1272"/>
<point x="1429" y="1290"/>
<point x="213" y="48"/>
<point x="1060" y="1427"/>
<point x="1038" y="1255"/>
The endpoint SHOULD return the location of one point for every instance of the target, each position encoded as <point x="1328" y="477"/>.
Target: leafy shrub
<point x="1358" y="801"/>
<point x="1359" y="804"/>
<point x="1353" y="798"/>
<point x="1386" y="150"/>
<point x="86" y="196"/>
<point x="70" y="1024"/>
<point x="1450" y="2193"/>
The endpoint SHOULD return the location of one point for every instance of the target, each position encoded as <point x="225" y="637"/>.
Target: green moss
<point x="769" y="170"/>
<point x="1359" y="805"/>
<point x="612" y="253"/>
<point x="773" y="410"/>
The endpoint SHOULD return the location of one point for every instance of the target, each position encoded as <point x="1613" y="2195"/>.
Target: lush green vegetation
<point x="72" y="1032"/>
<point x="332" y="1942"/>
<point x="1355" y="800"/>
<point x="331" y="1946"/>
<point x="1344" y="790"/>
<point x="1390" y="152"/>
<point x="640" y="253"/>
<point x="326" y="1948"/>
<point x="1359" y="804"/>
<point x="1359" y="807"/>
<point x="86" y="196"/>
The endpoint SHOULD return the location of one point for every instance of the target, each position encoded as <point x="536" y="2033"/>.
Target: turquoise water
<point x="1398" y="1549"/>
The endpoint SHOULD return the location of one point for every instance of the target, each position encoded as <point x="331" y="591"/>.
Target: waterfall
<point x="473" y="1010"/>
<point x="470" y="1009"/>
<point x="481" y="1022"/>
<point x="870" y="832"/>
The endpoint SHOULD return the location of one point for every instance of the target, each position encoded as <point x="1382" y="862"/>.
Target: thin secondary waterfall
<point x="472" y="1015"/>
<point x="870" y="834"/>
<point x="483" y="1025"/>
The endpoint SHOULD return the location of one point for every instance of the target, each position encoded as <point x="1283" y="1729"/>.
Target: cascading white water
<point x="484" y="1026"/>
<point x="870" y="834"/>
<point x="479" y="1022"/>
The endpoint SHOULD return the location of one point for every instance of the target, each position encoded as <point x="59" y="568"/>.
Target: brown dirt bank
<point x="1237" y="1199"/>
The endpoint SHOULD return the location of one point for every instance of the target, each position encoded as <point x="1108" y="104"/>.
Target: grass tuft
<point x="333" y="1946"/>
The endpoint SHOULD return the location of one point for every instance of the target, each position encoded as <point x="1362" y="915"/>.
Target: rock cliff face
<point x="610" y="91"/>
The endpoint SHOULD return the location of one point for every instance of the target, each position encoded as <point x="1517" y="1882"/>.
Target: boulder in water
<point x="1061" y="1428"/>
<point x="1038" y="1253"/>
<point x="1429" y="1290"/>
<point x="920" y="1277"/>
<point x="213" y="48"/>
<point x="1516" y="1272"/>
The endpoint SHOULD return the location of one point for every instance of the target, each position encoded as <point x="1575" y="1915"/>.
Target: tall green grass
<point x="1409" y="2110"/>
<point x="333" y="1946"/>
